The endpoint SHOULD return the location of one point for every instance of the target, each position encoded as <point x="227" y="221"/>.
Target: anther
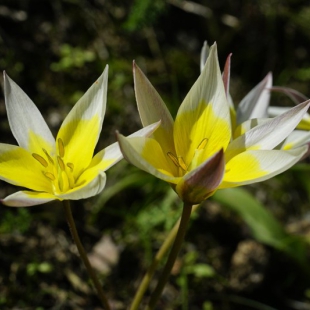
<point x="71" y="166"/>
<point x="61" y="163"/>
<point x="61" y="148"/>
<point x="49" y="175"/>
<point x="48" y="157"/>
<point x="182" y="163"/>
<point x="174" y="159"/>
<point x="40" y="159"/>
<point x="178" y="161"/>
<point x="202" y="144"/>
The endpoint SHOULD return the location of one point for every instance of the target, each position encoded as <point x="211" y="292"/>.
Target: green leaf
<point x="265" y="228"/>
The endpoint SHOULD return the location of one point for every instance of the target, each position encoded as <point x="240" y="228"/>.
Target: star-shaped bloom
<point x="254" y="108"/>
<point x="196" y="153"/>
<point x="56" y="169"/>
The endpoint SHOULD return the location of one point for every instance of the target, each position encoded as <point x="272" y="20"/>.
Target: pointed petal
<point x="147" y="155"/>
<point x="296" y="96"/>
<point x="226" y="81"/>
<point x="226" y="75"/>
<point x="304" y="123"/>
<point x="204" y="55"/>
<point x="81" y="128"/>
<point x="204" y="114"/>
<point x="107" y="157"/>
<point x="19" y="167"/>
<point x="199" y="184"/>
<point x="26" y="122"/>
<point x="268" y="135"/>
<point x="27" y="199"/>
<point x="295" y="139"/>
<point x="146" y="131"/>
<point x="91" y="181"/>
<point x="152" y="109"/>
<point x="256" y="166"/>
<point x="248" y="125"/>
<point x="112" y="154"/>
<point x="255" y="103"/>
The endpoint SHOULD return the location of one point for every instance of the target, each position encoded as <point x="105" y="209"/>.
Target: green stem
<point x="151" y="270"/>
<point x="187" y="209"/>
<point x="83" y="254"/>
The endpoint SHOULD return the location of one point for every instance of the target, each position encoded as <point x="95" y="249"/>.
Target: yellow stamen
<point x="40" y="159"/>
<point x="61" y="148"/>
<point x="71" y="166"/>
<point x="61" y="163"/>
<point x="182" y="163"/>
<point x="178" y="161"/>
<point x="60" y="184"/>
<point x="202" y="144"/>
<point x="48" y="157"/>
<point x="49" y="175"/>
<point x="174" y="159"/>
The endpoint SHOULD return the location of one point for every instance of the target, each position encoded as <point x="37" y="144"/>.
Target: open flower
<point x="61" y="169"/>
<point x="196" y="153"/>
<point x="254" y="108"/>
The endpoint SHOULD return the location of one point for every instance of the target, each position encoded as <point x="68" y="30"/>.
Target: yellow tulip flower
<point x="56" y="169"/>
<point x="196" y="153"/>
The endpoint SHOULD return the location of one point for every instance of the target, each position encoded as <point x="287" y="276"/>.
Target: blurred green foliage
<point x="265" y="228"/>
<point x="144" y="13"/>
<point x="15" y="221"/>
<point x="71" y="57"/>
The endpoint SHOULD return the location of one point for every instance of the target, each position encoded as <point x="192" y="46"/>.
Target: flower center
<point x="179" y="160"/>
<point x="59" y="173"/>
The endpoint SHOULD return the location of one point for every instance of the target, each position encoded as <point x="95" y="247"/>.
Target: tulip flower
<point x="62" y="169"/>
<point x="254" y="108"/>
<point x="196" y="153"/>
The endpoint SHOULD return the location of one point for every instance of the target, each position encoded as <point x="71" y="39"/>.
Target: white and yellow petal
<point x="19" y="167"/>
<point x="112" y="154"/>
<point x="147" y="155"/>
<point x="90" y="183"/>
<point x="255" y="103"/>
<point x="295" y="139"/>
<point x="27" y="199"/>
<point x="269" y="134"/>
<point x="26" y="122"/>
<point x="152" y="109"/>
<point x="259" y="165"/>
<point x="248" y="125"/>
<point x="304" y="123"/>
<point x="204" y="114"/>
<point x="80" y="130"/>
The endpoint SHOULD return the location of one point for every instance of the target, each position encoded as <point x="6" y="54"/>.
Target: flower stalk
<point x="187" y="209"/>
<point x="83" y="255"/>
<point x="157" y="259"/>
